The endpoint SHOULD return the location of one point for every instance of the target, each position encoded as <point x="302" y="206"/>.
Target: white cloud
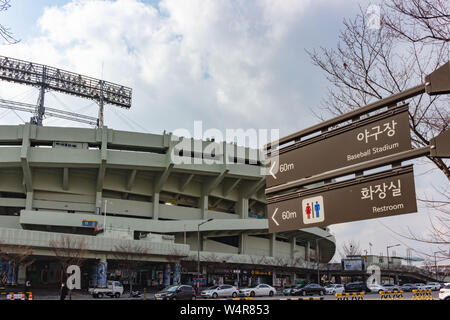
<point x="210" y="56"/>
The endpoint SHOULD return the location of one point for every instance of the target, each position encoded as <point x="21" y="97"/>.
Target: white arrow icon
<point x="273" y="216"/>
<point x="271" y="170"/>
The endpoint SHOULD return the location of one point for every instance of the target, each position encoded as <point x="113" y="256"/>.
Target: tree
<point x="419" y="21"/>
<point x="5" y="32"/>
<point x="350" y="248"/>
<point x="438" y="234"/>
<point x="410" y="42"/>
<point x="369" y="64"/>
<point x="129" y="257"/>
<point x="16" y="256"/>
<point x="69" y="250"/>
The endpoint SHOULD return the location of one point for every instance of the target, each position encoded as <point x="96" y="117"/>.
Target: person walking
<point x="63" y="292"/>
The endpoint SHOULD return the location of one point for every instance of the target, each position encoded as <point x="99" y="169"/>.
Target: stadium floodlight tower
<point x="50" y="78"/>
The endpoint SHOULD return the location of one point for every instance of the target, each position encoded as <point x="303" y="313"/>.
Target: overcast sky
<point x="231" y="64"/>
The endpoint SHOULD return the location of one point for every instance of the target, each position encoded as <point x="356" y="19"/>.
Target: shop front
<point x="217" y="276"/>
<point x="259" y="276"/>
<point x="283" y="279"/>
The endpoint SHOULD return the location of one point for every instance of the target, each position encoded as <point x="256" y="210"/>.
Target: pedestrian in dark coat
<point x="63" y="292"/>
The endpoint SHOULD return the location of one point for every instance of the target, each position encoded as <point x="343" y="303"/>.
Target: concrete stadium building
<point x="58" y="185"/>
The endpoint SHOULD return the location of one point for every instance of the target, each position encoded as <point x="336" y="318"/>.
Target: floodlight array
<point x="39" y="75"/>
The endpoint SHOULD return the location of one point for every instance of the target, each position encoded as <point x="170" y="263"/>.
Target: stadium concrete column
<point x="24" y="156"/>
<point x="307" y="250"/>
<point x="98" y="203"/>
<point x="293" y="247"/>
<point x="21" y="274"/>
<point x="102" y="272"/>
<point x="207" y="188"/>
<point x="160" y="180"/>
<point x="204" y="199"/>
<point x="155" y="205"/>
<point x="242" y="243"/>
<point x="293" y="278"/>
<point x="29" y="201"/>
<point x="272" y="244"/>
<point x="102" y="137"/>
<point x="242" y="207"/>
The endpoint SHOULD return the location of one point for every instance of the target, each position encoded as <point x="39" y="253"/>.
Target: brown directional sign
<point x="371" y="138"/>
<point x="441" y="145"/>
<point x="378" y="195"/>
<point x="439" y="80"/>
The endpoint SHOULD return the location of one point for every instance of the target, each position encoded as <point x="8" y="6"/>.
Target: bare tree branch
<point x="5" y="32"/>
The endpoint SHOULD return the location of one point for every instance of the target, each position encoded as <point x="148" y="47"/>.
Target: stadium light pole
<point x="387" y="252"/>
<point x="435" y="263"/>
<point x="198" y="251"/>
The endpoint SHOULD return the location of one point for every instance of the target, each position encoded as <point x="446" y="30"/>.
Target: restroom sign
<point x="377" y="195"/>
<point x="313" y="210"/>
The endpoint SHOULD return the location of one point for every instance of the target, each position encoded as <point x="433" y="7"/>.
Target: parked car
<point x="377" y="288"/>
<point x="309" y="289"/>
<point x="180" y="292"/>
<point x="444" y="293"/>
<point x="420" y="286"/>
<point x="287" y="291"/>
<point x="408" y="287"/>
<point x="296" y="288"/>
<point x="434" y="286"/>
<point x="334" y="288"/>
<point x="259" y="290"/>
<point x="358" y="286"/>
<point x="224" y="290"/>
<point x="114" y="289"/>
<point x="391" y="287"/>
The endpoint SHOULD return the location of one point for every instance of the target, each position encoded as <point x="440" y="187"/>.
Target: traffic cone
<point x="30" y="296"/>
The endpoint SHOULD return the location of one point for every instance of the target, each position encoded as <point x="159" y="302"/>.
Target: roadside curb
<point x="308" y="298"/>
<point x="237" y="299"/>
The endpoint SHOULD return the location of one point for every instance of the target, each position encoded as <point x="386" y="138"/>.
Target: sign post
<point x="378" y="195"/>
<point x="350" y="144"/>
<point x="369" y="139"/>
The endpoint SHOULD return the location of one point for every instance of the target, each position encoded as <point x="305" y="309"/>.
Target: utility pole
<point x="198" y="252"/>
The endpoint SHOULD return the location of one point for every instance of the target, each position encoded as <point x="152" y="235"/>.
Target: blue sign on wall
<point x="89" y="223"/>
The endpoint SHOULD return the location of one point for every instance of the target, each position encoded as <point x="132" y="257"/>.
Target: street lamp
<point x="318" y="256"/>
<point x="198" y="251"/>
<point x="435" y="264"/>
<point x="387" y="251"/>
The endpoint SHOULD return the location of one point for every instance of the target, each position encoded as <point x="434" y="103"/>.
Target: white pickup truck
<point x="114" y="289"/>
